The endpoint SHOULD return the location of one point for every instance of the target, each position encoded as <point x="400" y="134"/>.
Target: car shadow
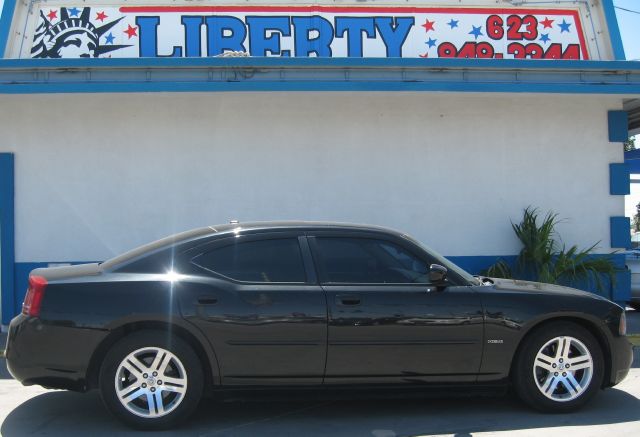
<point x="58" y="413"/>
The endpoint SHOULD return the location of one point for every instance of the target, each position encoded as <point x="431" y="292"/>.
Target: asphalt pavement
<point x="616" y="411"/>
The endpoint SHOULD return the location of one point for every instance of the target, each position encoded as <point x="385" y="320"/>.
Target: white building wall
<point x="97" y="174"/>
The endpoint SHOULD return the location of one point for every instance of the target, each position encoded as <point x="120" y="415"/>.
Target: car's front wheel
<point x="559" y="368"/>
<point x="151" y="380"/>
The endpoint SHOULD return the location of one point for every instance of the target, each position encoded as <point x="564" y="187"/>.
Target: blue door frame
<point x="7" y="239"/>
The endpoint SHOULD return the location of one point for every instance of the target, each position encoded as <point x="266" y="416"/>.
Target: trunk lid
<point x="67" y="272"/>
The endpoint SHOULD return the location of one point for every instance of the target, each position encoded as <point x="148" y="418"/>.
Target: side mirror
<point x="437" y="273"/>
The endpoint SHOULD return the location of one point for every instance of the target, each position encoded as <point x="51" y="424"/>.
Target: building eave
<point x="22" y="76"/>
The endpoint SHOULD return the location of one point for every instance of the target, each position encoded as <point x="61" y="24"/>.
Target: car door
<point x="258" y="301"/>
<point x="386" y="323"/>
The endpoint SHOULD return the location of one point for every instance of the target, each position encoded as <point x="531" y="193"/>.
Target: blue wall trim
<point x="477" y="264"/>
<point x="622" y="291"/>
<point x="618" y="126"/>
<point x="472" y="264"/>
<point x="6" y="18"/>
<point x="7" y="238"/>
<point x="620" y="232"/>
<point x="480" y="64"/>
<point x="48" y="88"/>
<point x="619" y="179"/>
<point x="614" y="29"/>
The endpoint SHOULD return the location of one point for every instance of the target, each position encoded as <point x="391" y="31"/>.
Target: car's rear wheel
<point x="151" y="380"/>
<point x="559" y="368"/>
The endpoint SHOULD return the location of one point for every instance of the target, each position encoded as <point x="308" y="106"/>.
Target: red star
<point x="548" y="24"/>
<point x="101" y="16"/>
<point x="426" y="55"/>
<point x="52" y="14"/>
<point x="131" y="31"/>
<point x="428" y="25"/>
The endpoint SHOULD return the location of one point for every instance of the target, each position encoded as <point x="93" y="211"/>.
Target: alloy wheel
<point x="151" y="382"/>
<point x="563" y="369"/>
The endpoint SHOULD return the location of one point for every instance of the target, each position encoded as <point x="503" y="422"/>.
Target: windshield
<point x="446" y="263"/>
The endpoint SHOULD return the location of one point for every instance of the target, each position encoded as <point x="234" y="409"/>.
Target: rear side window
<point x="277" y="260"/>
<point x="369" y="261"/>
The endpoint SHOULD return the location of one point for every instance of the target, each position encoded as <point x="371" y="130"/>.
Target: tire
<point x="540" y="369"/>
<point x="149" y="402"/>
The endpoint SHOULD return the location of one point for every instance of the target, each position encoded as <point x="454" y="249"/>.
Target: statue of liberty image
<point x="71" y="37"/>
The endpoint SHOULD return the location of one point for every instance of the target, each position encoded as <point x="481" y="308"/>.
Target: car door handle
<point x="348" y="300"/>
<point x="207" y="300"/>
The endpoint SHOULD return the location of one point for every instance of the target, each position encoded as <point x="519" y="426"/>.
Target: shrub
<point x="542" y="259"/>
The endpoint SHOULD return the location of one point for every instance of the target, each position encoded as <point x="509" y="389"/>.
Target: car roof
<point x="298" y="225"/>
<point x="198" y="234"/>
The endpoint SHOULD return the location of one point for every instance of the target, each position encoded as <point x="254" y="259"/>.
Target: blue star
<point x="477" y="31"/>
<point x="74" y="12"/>
<point x="453" y="23"/>
<point x="110" y="38"/>
<point x="431" y="42"/>
<point x="564" y="26"/>
<point x="545" y="38"/>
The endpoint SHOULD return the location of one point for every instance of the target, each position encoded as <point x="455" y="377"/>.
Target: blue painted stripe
<point x="620" y="232"/>
<point x="622" y="291"/>
<point x="477" y="264"/>
<point x="500" y="64"/>
<point x="618" y="126"/>
<point x="614" y="29"/>
<point x="124" y="87"/>
<point x="472" y="264"/>
<point x="632" y="159"/>
<point x="5" y="24"/>
<point x="619" y="179"/>
<point x="7" y="237"/>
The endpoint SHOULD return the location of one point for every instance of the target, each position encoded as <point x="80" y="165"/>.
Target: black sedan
<point x="315" y="305"/>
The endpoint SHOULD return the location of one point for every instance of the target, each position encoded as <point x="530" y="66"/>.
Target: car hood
<point x="539" y="287"/>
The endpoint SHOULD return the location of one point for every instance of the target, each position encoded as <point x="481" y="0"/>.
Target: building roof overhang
<point x="632" y="107"/>
<point x="318" y="74"/>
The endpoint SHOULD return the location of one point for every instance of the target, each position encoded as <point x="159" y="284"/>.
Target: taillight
<point x="35" y="293"/>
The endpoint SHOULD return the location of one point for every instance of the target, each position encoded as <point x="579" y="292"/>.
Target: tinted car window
<point x="278" y="260"/>
<point x="369" y="261"/>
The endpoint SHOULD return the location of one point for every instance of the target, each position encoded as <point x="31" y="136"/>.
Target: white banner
<point x="304" y="31"/>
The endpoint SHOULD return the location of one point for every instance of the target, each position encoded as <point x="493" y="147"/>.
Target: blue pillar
<point x="618" y="126"/>
<point x="6" y="18"/>
<point x="619" y="179"/>
<point x="7" y="240"/>
<point x="614" y="30"/>
<point x="620" y="232"/>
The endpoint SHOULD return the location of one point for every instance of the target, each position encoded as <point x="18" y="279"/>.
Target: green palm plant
<point x="542" y="259"/>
